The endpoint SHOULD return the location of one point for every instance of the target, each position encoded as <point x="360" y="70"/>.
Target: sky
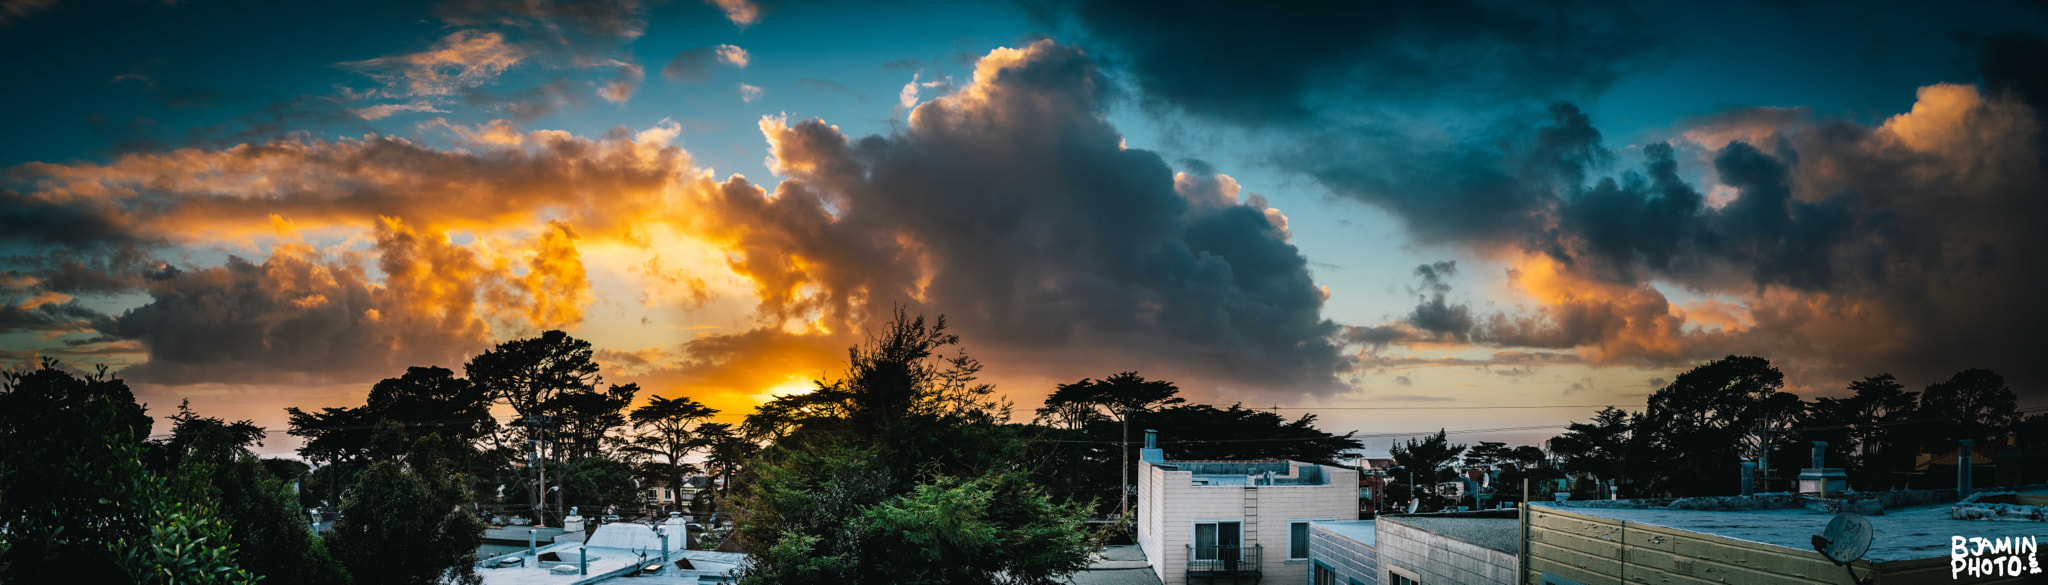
<point x="1467" y="215"/>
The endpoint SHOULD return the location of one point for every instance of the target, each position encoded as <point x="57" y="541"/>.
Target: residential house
<point x="1372" y="492"/>
<point x="661" y="496"/>
<point x="1204" y="521"/>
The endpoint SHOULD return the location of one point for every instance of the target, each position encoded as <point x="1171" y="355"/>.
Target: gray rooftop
<point x="1360" y="531"/>
<point x="1117" y="565"/>
<point x="1237" y="473"/>
<point x="1501" y="534"/>
<point x="1916" y="532"/>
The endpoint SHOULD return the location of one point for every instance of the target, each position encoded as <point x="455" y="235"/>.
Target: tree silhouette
<point x="530" y="375"/>
<point x="1600" y="448"/>
<point x="1974" y="404"/>
<point x="671" y="433"/>
<point x="1122" y="396"/>
<point x="728" y="452"/>
<point x="584" y="420"/>
<point x="1712" y="417"/>
<point x="1871" y="432"/>
<point x="1429" y="461"/>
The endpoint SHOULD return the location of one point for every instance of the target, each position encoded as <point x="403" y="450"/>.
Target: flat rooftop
<point x="1915" y="532"/>
<point x="1239" y="473"/>
<point x="1501" y="534"/>
<point x="1116" y="565"/>
<point x="1360" y="531"/>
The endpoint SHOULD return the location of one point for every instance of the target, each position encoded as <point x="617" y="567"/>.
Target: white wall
<point x="1170" y="504"/>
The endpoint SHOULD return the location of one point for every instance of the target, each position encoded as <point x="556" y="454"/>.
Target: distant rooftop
<point x="1914" y="532"/>
<point x="1502" y="534"/>
<point x="1360" y="531"/>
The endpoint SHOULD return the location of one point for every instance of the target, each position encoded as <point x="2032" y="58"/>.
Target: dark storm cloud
<point x="1300" y="62"/>
<point x="1012" y="207"/>
<point x="74" y="247"/>
<point x="1847" y="248"/>
<point x="68" y="316"/>
<point x="1911" y="247"/>
<point x="37" y="222"/>
<point x="1435" y="315"/>
<point x="1491" y="188"/>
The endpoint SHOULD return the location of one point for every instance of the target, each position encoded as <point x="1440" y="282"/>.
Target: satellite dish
<point x="1846" y="539"/>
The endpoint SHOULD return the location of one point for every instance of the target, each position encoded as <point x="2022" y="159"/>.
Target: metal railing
<point x="1224" y="560"/>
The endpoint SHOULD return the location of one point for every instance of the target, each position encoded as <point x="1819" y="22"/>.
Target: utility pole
<point x="540" y="502"/>
<point x="540" y="499"/>
<point x="1124" y="488"/>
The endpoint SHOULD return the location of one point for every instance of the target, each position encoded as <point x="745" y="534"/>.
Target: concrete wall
<point x="1600" y="551"/>
<point x="1437" y="559"/>
<point x="1352" y="561"/>
<point x="1170" y="505"/>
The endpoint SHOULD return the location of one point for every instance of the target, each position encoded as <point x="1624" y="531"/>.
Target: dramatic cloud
<point x="525" y="199"/>
<point x="694" y="65"/>
<point x="1013" y="208"/>
<point x="1839" y="249"/>
<point x="1010" y="205"/>
<point x="301" y="315"/>
<point x="600" y="187"/>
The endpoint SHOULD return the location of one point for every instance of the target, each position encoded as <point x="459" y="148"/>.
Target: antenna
<point x="1845" y="541"/>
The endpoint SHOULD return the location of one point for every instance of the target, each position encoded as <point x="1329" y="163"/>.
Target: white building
<point x="1204" y="521"/>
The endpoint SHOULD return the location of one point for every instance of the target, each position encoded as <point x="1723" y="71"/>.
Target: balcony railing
<point x="1224" y="560"/>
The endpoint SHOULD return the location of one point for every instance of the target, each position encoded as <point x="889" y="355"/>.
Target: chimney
<point x="1151" y="453"/>
<point x="1963" y="468"/>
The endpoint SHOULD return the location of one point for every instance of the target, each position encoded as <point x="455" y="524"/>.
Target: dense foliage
<point x="903" y="461"/>
<point x="80" y="503"/>
<point x="1701" y="427"/>
<point x="407" y="522"/>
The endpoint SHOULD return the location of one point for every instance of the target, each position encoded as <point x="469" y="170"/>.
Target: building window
<point x="1211" y="536"/>
<point x="1297" y="540"/>
<point x="1323" y="576"/>
<point x="1400" y="577"/>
